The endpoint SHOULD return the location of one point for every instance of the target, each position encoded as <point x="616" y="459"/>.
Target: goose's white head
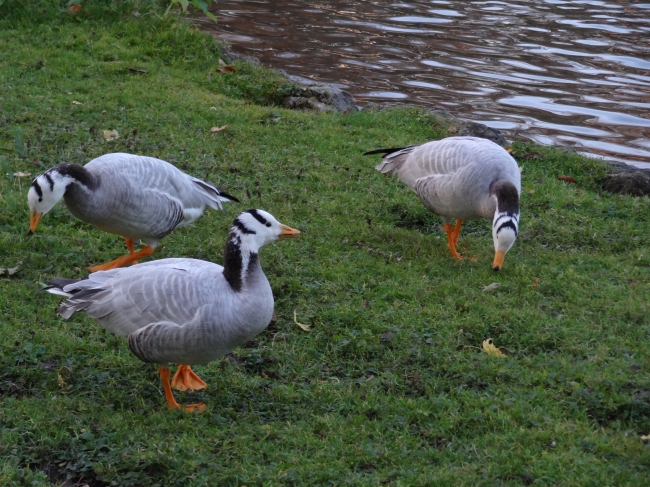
<point x="45" y="192"/>
<point x="255" y="228"/>
<point x="505" y="225"/>
<point x="249" y="232"/>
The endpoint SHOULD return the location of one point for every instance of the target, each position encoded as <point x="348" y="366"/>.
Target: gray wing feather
<point x="453" y="176"/>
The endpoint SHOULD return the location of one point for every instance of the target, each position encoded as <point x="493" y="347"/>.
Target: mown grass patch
<point x="389" y="387"/>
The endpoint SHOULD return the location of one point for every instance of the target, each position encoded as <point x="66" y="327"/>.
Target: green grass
<point x="389" y="387"/>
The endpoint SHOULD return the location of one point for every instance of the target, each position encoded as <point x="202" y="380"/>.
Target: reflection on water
<point x="573" y="73"/>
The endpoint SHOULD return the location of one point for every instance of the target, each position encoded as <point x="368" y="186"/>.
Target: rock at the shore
<point x="483" y="131"/>
<point x="626" y="179"/>
<point x="321" y="97"/>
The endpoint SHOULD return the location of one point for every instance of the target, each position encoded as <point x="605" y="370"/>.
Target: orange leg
<point x="171" y="402"/>
<point x="185" y="379"/>
<point x="129" y="245"/>
<point x="450" y="240"/>
<point x="457" y="231"/>
<point x="122" y="261"/>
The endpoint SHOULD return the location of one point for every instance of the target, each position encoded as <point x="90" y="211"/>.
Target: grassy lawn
<point x="389" y="386"/>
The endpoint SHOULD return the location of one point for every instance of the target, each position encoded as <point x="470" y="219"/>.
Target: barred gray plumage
<point x="462" y="178"/>
<point x="137" y="197"/>
<point x="183" y="311"/>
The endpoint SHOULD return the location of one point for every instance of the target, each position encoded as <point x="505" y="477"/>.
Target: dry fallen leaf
<point x="490" y="349"/>
<point x="295" y="320"/>
<point x="75" y="8"/>
<point x="137" y="70"/>
<point x="645" y="437"/>
<point x="491" y="287"/>
<point x="535" y="282"/>
<point x="22" y="174"/>
<point x="111" y="135"/>
<point x="226" y="69"/>
<point x="75" y="102"/>
<point x="568" y="179"/>
<point x="11" y="270"/>
<point x="218" y="129"/>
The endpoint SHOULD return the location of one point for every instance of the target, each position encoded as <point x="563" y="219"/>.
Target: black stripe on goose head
<point x="49" y="180"/>
<point x="37" y="188"/>
<point x="508" y="224"/>
<point x="507" y="197"/>
<point x="242" y="228"/>
<point x="259" y="217"/>
<point x="76" y="172"/>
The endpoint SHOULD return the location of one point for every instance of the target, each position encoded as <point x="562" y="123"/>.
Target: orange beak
<point x="499" y="255"/>
<point x="288" y="232"/>
<point x="34" y="218"/>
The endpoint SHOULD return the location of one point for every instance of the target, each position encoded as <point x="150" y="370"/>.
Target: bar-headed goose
<point x="184" y="311"/>
<point x="137" y="197"/>
<point x="462" y="178"/>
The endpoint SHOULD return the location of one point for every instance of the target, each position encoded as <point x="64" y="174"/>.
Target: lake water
<point x="569" y="73"/>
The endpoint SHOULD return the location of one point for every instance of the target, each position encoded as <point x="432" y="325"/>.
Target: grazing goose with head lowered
<point x="184" y="311"/>
<point x="462" y="178"/>
<point x="137" y="197"/>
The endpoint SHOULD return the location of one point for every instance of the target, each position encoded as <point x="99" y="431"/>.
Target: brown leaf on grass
<point x="568" y="179"/>
<point x="11" y="270"/>
<point x="137" y="70"/>
<point x="75" y="8"/>
<point x="226" y="69"/>
<point x="295" y="320"/>
<point x="536" y="283"/>
<point x="491" y="287"/>
<point x="22" y="174"/>
<point x="111" y="135"/>
<point x="490" y="349"/>
<point x="453" y="129"/>
<point x="217" y="129"/>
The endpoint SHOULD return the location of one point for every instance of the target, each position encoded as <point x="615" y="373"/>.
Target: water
<point x="569" y="73"/>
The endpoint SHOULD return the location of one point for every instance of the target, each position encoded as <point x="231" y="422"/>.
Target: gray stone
<point x="474" y="129"/>
<point x="320" y="97"/>
<point x="627" y="179"/>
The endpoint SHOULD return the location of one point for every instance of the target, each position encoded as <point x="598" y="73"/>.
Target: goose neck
<point x="241" y="261"/>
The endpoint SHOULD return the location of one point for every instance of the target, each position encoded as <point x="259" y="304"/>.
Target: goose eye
<point x="40" y="199"/>
<point x="268" y="224"/>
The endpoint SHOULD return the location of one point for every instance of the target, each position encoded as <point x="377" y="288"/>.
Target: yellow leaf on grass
<point x="490" y="349"/>
<point x="218" y="129"/>
<point x="22" y="174"/>
<point x="111" y="135"/>
<point x="295" y="320"/>
<point x="11" y="270"/>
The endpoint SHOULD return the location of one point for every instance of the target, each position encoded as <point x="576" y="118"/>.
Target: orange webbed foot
<point x="124" y="260"/>
<point x="450" y="240"/>
<point x="169" y="396"/>
<point x="185" y="379"/>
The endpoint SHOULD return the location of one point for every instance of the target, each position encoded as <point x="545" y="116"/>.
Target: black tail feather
<point x="226" y="195"/>
<point x="384" y="151"/>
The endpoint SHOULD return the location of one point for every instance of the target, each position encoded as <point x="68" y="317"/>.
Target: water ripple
<point x="573" y="73"/>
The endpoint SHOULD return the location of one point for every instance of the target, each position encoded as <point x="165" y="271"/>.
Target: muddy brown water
<point x="569" y="73"/>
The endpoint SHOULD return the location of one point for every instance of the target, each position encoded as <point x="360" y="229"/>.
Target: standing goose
<point x="137" y="197"/>
<point x="462" y="178"/>
<point x="184" y="311"/>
